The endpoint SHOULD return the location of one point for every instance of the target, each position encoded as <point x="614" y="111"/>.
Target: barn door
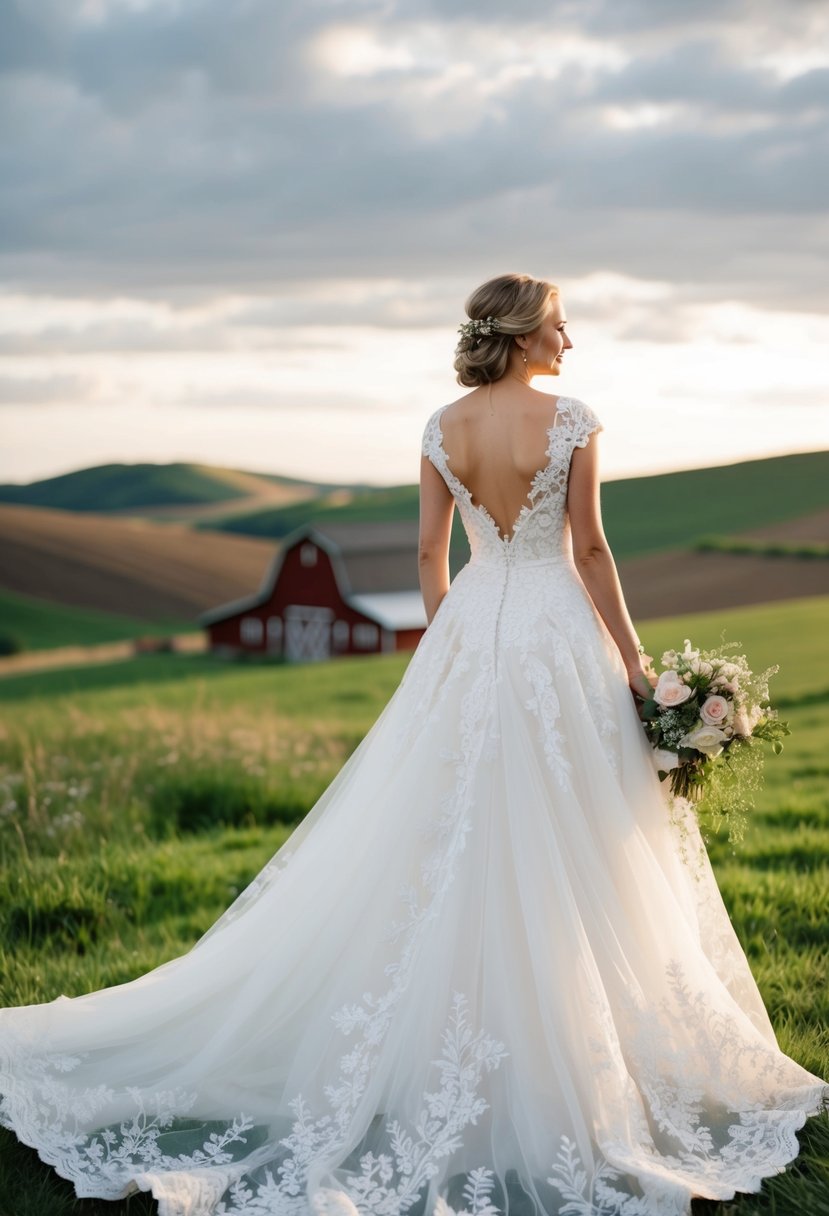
<point x="307" y="633"/>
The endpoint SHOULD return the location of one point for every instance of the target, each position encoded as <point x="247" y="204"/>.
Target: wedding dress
<point x="479" y="977"/>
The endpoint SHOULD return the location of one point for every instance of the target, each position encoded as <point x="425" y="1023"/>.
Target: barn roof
<point x="370" y="560"/>
<point x="392" y="609"/>
<point x="377" y="556"/>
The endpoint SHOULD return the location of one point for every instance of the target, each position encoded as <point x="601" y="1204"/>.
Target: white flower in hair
<point x="479" y="327"/>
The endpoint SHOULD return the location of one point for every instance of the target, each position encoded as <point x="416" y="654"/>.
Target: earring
<point x="524" y="355"/>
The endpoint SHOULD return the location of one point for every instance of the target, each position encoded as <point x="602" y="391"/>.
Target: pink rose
<point x="715" y="710"/>
<point x="670" y="690"/>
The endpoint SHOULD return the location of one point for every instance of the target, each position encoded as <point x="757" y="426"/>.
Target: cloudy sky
<point x="242" y="232"/>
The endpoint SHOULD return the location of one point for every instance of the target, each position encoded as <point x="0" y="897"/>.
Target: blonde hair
<point x="519" y="303"/>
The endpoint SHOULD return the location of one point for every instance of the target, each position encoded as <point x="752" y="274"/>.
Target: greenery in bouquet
<point x="707" y="719"/>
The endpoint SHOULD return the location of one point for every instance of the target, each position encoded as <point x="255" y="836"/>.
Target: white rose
<point x="715" y="710"/>
<point x="670" y="690"/>
<point x="327" y="1202"/>
<point x="707" y="739"/>
<point x="665" y="760"/>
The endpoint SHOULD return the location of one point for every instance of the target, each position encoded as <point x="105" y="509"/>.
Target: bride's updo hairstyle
<point x="519" y="304"/>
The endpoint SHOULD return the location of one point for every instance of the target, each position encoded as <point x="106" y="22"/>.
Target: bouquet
<point x="705" y="719"/>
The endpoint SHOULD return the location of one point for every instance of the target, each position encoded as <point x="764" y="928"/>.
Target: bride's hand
<point x="641" y="681"/>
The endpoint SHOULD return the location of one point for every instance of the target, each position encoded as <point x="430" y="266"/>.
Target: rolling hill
<point x="164" y="491"/>
<point x="641" y="514"/>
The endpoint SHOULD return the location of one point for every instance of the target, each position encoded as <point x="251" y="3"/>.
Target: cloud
<point x="47" y="390"/>
<point x="246" y="397"/>
<point x="209" y="148"/>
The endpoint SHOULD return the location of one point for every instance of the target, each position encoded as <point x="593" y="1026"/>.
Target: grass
<point x="791" y="633"/>
<point x="137" y="799"/>
<point x="39" y="624"/>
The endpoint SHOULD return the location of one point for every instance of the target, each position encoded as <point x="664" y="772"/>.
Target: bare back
<point x="496" y="451"/>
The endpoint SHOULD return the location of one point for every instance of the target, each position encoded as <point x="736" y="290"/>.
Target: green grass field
<point x="137" y="799"/>
<point x="38" y="624"/>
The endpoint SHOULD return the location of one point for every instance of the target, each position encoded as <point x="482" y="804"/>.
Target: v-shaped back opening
<point x="528" y="502"/>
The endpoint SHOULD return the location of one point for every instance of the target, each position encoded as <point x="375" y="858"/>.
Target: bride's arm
<point x="595" y="563"/>
<point x="436" y="509"/>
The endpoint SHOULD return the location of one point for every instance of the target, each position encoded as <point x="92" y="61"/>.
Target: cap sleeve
<point x="430" y="443"/>
<point x="585" y="422"/>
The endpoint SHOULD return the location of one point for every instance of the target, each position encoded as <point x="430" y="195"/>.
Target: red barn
<point x="341" y="588"/>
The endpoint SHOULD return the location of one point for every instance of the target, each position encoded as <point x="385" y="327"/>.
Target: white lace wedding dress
<point x="479" y="977"/>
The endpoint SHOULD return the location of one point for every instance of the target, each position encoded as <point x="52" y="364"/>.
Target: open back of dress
<point x="498" y="459"/>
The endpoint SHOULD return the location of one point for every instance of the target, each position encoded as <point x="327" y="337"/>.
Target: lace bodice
<point x="541" y="530"/>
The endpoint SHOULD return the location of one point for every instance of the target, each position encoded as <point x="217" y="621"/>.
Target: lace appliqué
<point x="103" y="1163"/>
<point x="386" y="1182"/>
<point x="545" y="705"/>
<point x="591" y="1192"/>
<point x="689" y="1060"/>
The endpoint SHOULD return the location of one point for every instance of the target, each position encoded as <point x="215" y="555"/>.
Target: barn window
<point x="308" y="555"/>
<point x="339" y="634"/>
<point x="251" y="630"/>
<point x="365" y="636"/>
<point x="274" y="630"/>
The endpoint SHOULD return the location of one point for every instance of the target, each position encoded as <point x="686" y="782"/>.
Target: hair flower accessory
<point x="479" y="327"/>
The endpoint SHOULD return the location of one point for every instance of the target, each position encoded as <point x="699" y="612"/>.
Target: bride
<point x="479" y="977"/>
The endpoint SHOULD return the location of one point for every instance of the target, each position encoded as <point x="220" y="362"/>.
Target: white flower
<point x="741" y="723"/>
<point x="327" y="1202"/>
<point x="664" y="759"/>
<point x="707" y="739"/>
<point x="670" y="690"/>
<point x="715" y="710"/>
